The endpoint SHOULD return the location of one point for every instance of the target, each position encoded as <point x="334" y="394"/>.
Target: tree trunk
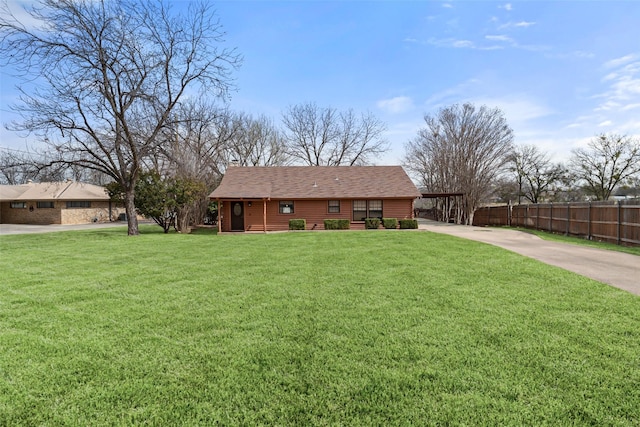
<point x="132" y="218"/>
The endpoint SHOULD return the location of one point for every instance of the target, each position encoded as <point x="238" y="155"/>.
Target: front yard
<point x="327" y="328"/>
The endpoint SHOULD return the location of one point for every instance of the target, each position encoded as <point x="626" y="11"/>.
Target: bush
<point x="336" y="224"/>
<point x="408" y="223"/>
<point x="390" y="223"/>
<point x="297" y="224"/>
<point x="371" y="223"/>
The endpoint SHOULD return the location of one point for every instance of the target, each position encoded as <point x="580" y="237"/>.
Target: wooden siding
<point x="313" y="211"/>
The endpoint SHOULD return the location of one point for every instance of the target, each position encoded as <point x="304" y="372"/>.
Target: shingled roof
<point x="68" y="190"/>
<point x="315" y="182"/>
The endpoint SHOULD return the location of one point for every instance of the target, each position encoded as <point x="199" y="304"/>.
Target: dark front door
<point x="237" y="216"/>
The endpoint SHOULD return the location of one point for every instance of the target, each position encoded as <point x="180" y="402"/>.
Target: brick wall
<point x="59" y="214"/>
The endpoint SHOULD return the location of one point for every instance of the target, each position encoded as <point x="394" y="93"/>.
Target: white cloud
<point x="617" y="62"/>
<point x="506" y="6"/>
<point x="623" y="84"/>
<point x="447" y="5"/>
<point x="462" y="43"/>
<point x="605" y="123"/>
<point x="17" y="10"/>
<point x="521" y="24"/>
<point x="397" y="105"/>
<point x="501" y="38"/>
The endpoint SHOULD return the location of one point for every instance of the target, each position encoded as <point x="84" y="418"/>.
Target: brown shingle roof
<point x="315" y="182"/>
<point x="68" y="190"/>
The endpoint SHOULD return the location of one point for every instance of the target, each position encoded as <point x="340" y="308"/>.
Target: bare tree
<point x="327" y="137"/>
<point x="463" y="149"/>
<point x="608" y="161"/>
<point x="534" y="172"/>
<point x="19" y="167"/>
<point x="108" y="75"/>
<point x="257" y="143"/>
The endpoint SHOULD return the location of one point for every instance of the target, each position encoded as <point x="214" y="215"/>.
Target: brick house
<point x="56" y="203"/>
<point x="266" y="198"/>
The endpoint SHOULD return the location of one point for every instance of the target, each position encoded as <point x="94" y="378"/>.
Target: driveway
<point x="613" y="268"/>
<point x="6" y="229"/>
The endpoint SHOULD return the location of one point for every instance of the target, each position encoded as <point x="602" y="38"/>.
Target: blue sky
<point x="562" y="71"/>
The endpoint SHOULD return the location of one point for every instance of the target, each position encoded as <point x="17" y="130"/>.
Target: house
<point x="266" y="198"/>
<point x="66" y="202"/>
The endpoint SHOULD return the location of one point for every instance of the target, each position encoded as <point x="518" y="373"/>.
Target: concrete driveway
<point x="614" y="268"/>
<point x="6" y="229"/>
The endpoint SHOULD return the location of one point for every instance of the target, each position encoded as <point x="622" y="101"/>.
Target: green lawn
<point x="310" y="328"/>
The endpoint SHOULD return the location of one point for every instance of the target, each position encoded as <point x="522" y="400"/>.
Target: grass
<point x="575" y="240"/>
<point x="318" y="328"/>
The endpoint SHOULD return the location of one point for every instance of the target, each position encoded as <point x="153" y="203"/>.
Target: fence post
<point x="551" y="217"/>
<point x="509" y="211"/>
<point x="537" y="216"/>
<point x="566" y="233"/>
<point x="589" y="222"/>
<point x="619" y="236"/>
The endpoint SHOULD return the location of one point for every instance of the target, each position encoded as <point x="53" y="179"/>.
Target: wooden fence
<point x="614" y="222"/>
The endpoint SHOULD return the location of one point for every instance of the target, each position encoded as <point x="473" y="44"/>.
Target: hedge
<point x="297" y="224"/>
<point x="390" y="223"/>
<point x="371" y="223"/>
<point x="408" y="223"/>
<point x="336" y="224"/>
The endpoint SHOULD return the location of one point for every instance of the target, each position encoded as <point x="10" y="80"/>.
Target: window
<point x="375" y="209"/>
<point x="359" y="210"/>
<point x="18" y="205"/>
<point x="367" y="209"/>
<point x="286" y="207"/>
<point x="45" y="205"/>
<point x="334" y="206"/>
<point x="78" y="204"/>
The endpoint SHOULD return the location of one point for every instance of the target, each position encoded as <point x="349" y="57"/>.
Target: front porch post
<point x="219" y="215"/>
<point x="264" y="215"/>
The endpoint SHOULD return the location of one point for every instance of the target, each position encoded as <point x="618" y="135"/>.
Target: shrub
<point x="371" y="223"/>
<point x="390" y="223"/>
<point x="408" y="223"/>
<point x="336" y="224"/>
<point x="297" y="224"/>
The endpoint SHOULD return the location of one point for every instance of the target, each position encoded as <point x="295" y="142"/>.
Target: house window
<point x="18" y="205"/>
<point x="367" y="209"/>
<point x="375" y="209"/>
<point x="45" y="205"/>
<point x="286" y="207"/>
<point x="359" y="210"/>
<point x="334" y="206"/>
<point x="78" y="204"/>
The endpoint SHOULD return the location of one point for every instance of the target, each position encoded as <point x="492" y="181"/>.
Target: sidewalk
<point x="613" y="268"/>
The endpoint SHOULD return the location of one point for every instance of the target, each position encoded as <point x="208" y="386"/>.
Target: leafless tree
<point x="318" y="136"/>
<point x="461" y="149"/>
<point x="534" y="172"/>
<point x="109" y="74"/>
<point x="608" y="161"/>
<point x="257" y="143"/>
<point x="203" y="140"/>
<point x="19" y="167"/>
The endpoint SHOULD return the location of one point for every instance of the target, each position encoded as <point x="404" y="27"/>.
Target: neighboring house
<point x="266" y="198"/>
<point x="56" y="203"/>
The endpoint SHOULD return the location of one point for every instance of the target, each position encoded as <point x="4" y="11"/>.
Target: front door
<point x="237" y="216"/>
